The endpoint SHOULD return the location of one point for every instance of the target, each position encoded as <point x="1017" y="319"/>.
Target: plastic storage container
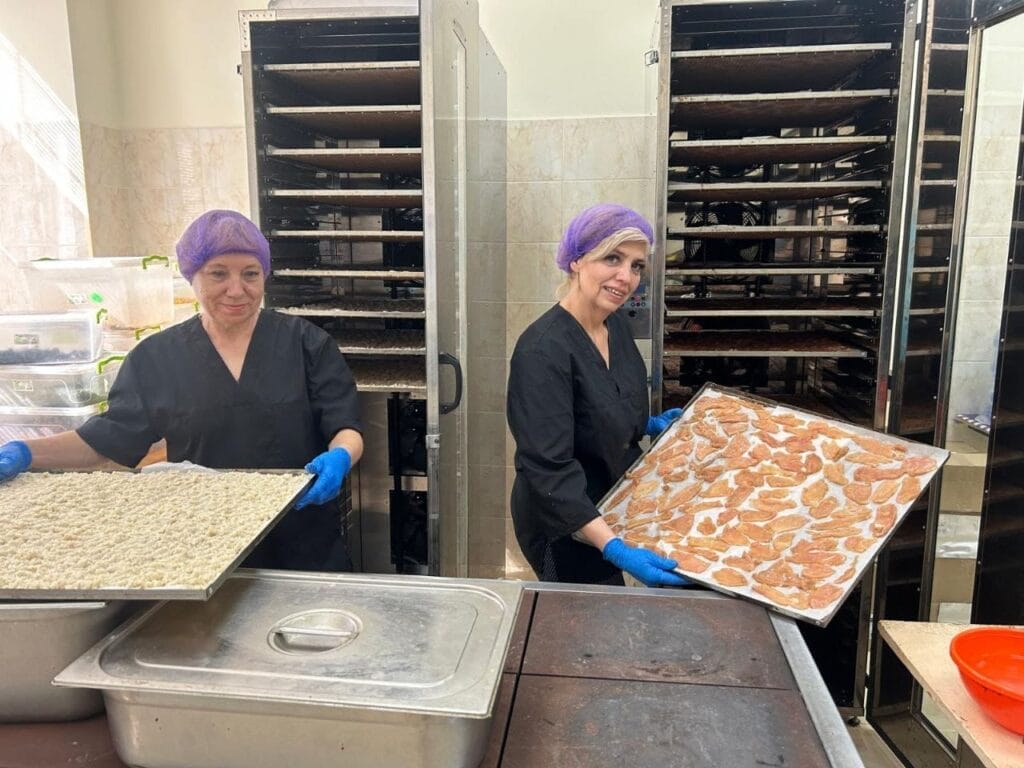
<point x="282" y="668"/>
<point x="122" y="341"/>
<point x="28" y="423"/>
<point x="34" y="338"/>
<point x="185" y="304"/>
<point x="136" y="292"/>
<point x="58" y="386"/>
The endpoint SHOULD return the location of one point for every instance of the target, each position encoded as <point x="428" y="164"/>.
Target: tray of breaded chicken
<point x="768" y="502"/>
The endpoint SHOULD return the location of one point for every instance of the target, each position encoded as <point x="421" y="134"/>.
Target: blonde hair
<point x="602" y="249"/>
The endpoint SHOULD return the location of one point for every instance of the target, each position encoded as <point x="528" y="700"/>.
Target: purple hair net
<point x="586" y="231"/>
<point x="218" y="232"/>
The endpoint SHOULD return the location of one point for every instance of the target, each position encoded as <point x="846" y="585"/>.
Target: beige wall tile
<point x="486" y="571"/>
<point x="520" y="315"/>
<point x="487" y="479"/>
<point x="487" y="199"/>
<point x="485" y="431"/>
<point x="991" y="206"/>
<point x="534" y="211"/>
<point x="489" y="552"/>
<point x="488" y="150"/>
<point x="981" y="282"/>
<point x="486" y="385"/>
<point x="971" y="387"/>
<point x="535" y="150"/>
<point x="637" y="194"/>
<point x="532" y="273"/>
<point x="487" y="272"/>
<point x="607" y="148"/>
<point x="977" y="331"/>
<point x="487" y="325"/>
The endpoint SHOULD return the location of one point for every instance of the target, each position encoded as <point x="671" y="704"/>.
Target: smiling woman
<point x="578" y="407"/>
<point x="236" y="387"/>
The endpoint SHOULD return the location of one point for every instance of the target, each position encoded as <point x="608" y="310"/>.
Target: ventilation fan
<point x="728" y="250"/>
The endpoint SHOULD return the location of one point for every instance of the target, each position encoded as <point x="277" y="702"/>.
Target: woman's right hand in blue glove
<point x="15" y="458"/>
<point x="642" y="564"/>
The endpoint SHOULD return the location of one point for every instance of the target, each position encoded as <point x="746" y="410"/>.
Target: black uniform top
<point x="577" y="423"/>
<point x="294" y="394"/>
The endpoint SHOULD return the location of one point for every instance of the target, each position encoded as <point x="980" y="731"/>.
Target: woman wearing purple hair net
<point x="578" y="407"/>
<point x="236" y="387"/>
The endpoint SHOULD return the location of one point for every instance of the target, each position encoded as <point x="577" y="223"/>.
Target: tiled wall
<point x="556" y="168"/>
<point x="146" y="185"/>
<point x="989" y="212"/>
<point x="43" y="213"/>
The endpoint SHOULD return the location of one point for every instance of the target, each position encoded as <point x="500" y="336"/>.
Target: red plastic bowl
<point x="991" y="663"/>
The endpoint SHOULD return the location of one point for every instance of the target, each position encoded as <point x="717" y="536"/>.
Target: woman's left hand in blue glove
<point x="658" y="424"/>
<point x="330" y="469"/>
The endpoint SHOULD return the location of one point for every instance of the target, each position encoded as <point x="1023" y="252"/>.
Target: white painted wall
<point x="96" y="62"/>
<point x="171" y="63"/>
<point x="160" y="63"/>
<point x="574" y="58"/>
<point x="36" y="33"/>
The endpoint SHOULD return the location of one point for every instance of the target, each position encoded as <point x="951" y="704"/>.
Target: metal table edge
<point x="835" y="739"/>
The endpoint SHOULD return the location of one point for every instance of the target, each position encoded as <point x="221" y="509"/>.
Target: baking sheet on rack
<point x="771" y="503"/>
<point x="173" y="534"/>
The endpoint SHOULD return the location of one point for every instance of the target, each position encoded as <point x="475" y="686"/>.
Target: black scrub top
<point x="577" y="424"/>
<point x="294" y="394"/>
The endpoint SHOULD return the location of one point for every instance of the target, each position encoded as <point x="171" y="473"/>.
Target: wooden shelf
<point x="400" y="122"/>
<point x="358" y="82"/>
<point x="768" y="150"/>
<point x="768" y="190"/>
<point x="371" y="160"/>
<point x="776" y="110"/>
<point x="353" y="198"/>
<point x="758" y="344"/>
<point x="794" y="67"/>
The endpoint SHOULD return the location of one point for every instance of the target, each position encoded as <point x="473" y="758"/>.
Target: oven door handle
<point x="446" y="359"/>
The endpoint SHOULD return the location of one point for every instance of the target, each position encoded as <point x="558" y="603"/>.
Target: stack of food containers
<point x="52" y="375"/>
<point x="136" y="294"/>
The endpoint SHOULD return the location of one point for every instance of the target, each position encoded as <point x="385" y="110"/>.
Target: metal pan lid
<point x="413" y="644"/>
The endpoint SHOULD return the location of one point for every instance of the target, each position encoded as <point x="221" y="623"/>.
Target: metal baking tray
<point x="771" y="110"/>
<point x="772" y="307"/>
<point x="758" y="344"/>
<point x="39" y="640"/>
<point x="359" y="307"/>
<point x="351" y="235"/>
<point x="771" y="269"/>
<point x="773" y="232"/>
<point x="354" y="82"/>
<point x="355" y="160"/>
<point x="168" y="593"/>
<point x="354" y="198"/>
<point x="768" y="190"/>
<point x="308" y="669"/>
<point x="790" y="67"/>
<point x="348" y="272"/>
<point x="390" y="375"/>
<point x="390" y="342"/>
<point x="761" y="150"/>
<point x="769" y="531"/>
<point x="399" y="123"/>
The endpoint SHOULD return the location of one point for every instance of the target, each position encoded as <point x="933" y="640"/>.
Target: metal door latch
<point x="651" y="57"/>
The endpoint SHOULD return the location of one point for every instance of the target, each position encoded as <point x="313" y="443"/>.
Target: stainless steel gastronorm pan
<point x="308" y="669"/>
<point x="38" y="641"/>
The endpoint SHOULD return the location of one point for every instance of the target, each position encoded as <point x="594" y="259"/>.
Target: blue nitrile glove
<point x="658" y="424"/>
<point x="330" y="469"/>
<point x="643" y="565"/>
<point x="15" y="458"/>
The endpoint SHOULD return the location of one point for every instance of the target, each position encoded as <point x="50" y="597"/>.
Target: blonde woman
<point x="578" y="407"/>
